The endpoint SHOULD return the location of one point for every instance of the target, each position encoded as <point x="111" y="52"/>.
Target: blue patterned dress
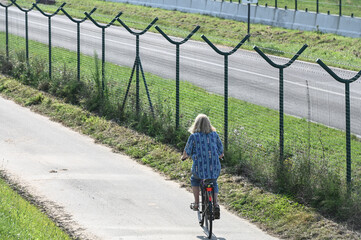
<point x="205" y="150"/>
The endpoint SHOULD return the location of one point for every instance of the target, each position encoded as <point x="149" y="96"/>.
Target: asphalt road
<point x="107" y="194"/>
<point x="250" y="77"/>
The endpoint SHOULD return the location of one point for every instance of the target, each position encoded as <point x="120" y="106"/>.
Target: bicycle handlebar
<point x="183" y="159"/>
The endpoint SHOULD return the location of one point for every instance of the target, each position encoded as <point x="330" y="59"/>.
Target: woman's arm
<point x="219" y="147"/>
<point x="189" y="148"/>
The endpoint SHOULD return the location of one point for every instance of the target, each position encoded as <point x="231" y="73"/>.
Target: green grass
<point x="276" y="213"/>
<point x="335" y="50"/>
<point x="314" y="171"/>
<point x="21" y="220"/>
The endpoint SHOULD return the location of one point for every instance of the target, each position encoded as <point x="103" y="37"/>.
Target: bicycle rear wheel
<point x="203" y="208"/>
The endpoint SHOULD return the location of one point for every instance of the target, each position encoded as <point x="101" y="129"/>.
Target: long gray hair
<point x="201" y="124"/>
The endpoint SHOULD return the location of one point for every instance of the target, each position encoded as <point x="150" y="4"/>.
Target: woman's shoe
<point x="195" y="206"/>
<point x="216" y="211"/>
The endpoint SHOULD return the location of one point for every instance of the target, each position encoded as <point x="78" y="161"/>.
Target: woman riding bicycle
<point x="205" y="148"/>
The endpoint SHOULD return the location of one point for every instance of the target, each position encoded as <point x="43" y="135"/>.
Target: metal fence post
<point x="138" y="67"/>
<point x="7" y="33"/>
<point x="26" y="11"/>
<point x="348" y="121"/>
<point x="317" y="6"/>
<point x="103" y="27"/>
<point x="296" y="5"/>
<point x="177" y="44"/>
<point x="78" y="36"/>
<point x="103" y="59"/>
<point x="137" y="107"/>
<point x="27" y="37"/>
<point x="225" y="54"/>
<point x="49" y="30"/>
<point x="226" y="102"/>
<point x="6" y="28"/>
<point x="281" y="92"/>
<point x="78" y="49"/>
<point x="281" y="108"/>
<point x="248" y="18"/>
<point x="177" y="87"/>
<point x="340" y="6"/>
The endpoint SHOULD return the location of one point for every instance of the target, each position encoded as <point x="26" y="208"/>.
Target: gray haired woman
<point x="205" y="148"/>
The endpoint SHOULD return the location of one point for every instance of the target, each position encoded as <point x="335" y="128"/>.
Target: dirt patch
<point x="53" y="210"/>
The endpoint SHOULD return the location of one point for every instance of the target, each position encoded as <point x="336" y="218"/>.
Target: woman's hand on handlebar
<point x="184" y="156"/>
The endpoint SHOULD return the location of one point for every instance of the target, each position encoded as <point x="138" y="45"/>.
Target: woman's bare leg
<point x="196" y="194"/>
<point x="215" y="200"/>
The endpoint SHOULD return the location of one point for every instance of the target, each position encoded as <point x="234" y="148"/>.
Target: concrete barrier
<point x="155" y="3"/>
<point x="136" y="2"/>
<point x="284" y="18"/>
<point x="170" y="4"/>
<point x="327" y="23"/>
<point x="198" y="6"/>
<point x="213" y="8"/>
<point x="122" y="1"/>
<point x="229" y="10"/>
<point x="349" y="26"/>
<point x="242" y="13"/>
<point x="305" y="21"/>
<point x="265" y="15"/>
<point x="184" y="5"/>
<point x="142" y="2"/>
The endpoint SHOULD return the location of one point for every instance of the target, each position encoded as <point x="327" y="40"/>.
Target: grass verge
<point x="277" y="214"/>
<point x="21" y="220"/>
<point x="312" y="172"/>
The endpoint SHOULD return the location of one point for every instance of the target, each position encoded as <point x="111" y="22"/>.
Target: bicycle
<point x="207" y="213"/>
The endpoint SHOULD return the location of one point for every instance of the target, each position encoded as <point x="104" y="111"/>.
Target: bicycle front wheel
<point x="208" y="218"/>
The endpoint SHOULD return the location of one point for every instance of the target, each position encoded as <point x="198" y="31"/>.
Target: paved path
<point x="108" y="194"/>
